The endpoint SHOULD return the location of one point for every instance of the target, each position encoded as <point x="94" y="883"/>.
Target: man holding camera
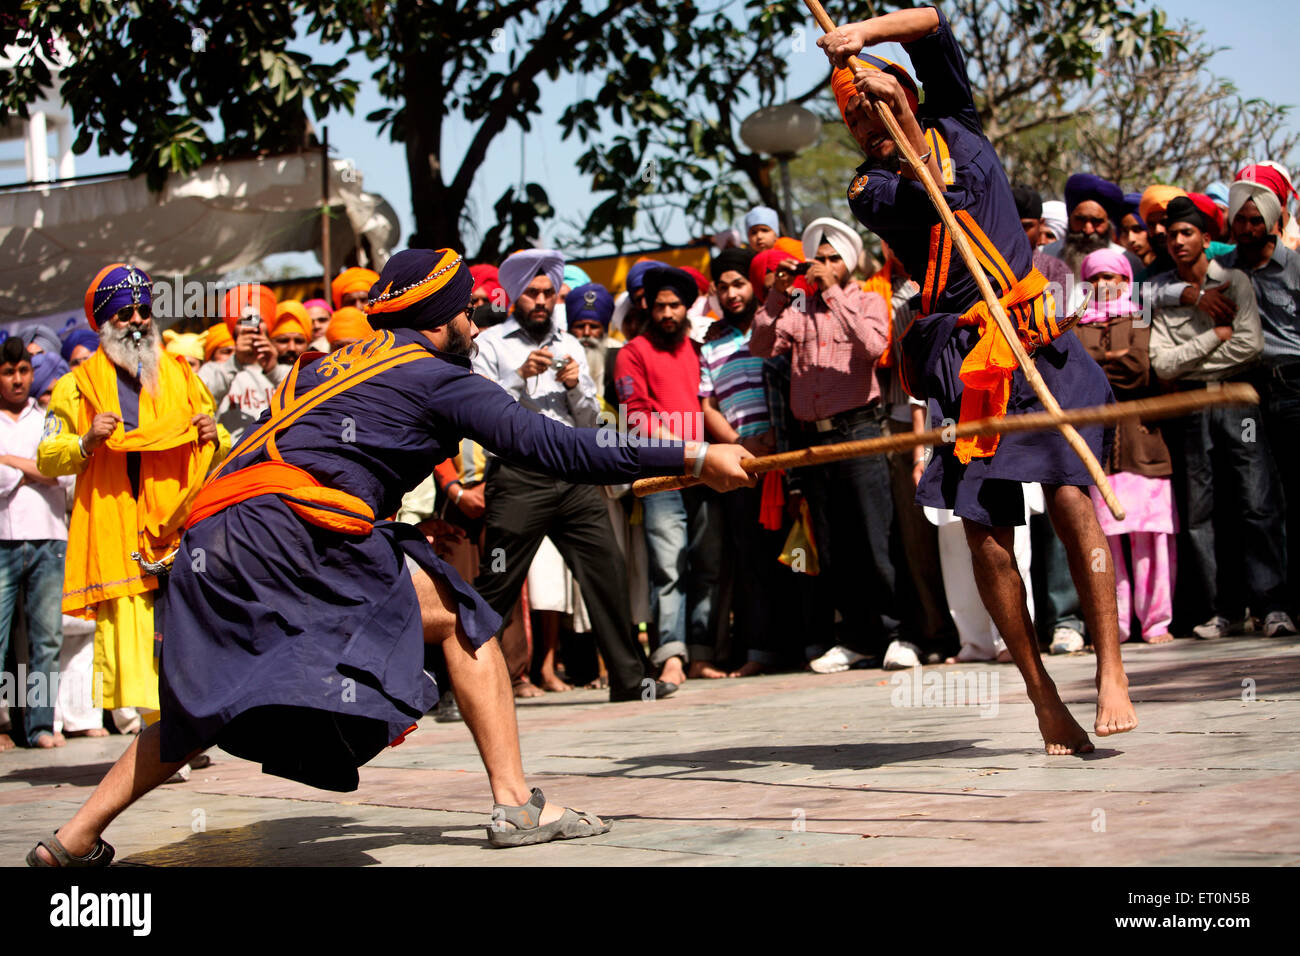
<point x="242" y="384"/>
<point x="834" y="334"/>
<point x="543" y="367"/>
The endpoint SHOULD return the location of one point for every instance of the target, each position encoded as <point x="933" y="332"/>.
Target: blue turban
<point x="47" y="368"/>
<point x="78" y="337"/>
<point x="1218" y="191"/>
<point x="1132" y="207"/>
<point x="522" y="268"/>
<point x="1083" y="187"/>
<point x="762" y="216"/>
<point x="574" y="277"/>
<point x="636" y="275"/>
<point x="420" y="289"/>
<point x="43" y="336"/>
<point x="587" y="303"/>
<point x="116" y="287"/>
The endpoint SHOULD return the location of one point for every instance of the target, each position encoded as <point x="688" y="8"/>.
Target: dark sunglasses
<point x="124" y="314"/>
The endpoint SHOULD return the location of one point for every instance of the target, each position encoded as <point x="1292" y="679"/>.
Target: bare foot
<point x="600" y="683"/>
<point x="748" y="669"/>
<point x="553" y="684"/>
<point x="705" y="669"/>
<point x="1165" y="638"/>
<point x="1004" y="656"/>
<point x="526" y="688"/>
<point x="1061" y="732"/>
<point x="1115" y="713"/>
<point x="6" y="742"/>
<point x="672" y="672"/>
<point x="92" y="732"/>
<point x="48" y="741"/>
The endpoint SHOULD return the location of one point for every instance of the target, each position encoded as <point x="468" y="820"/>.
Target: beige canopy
<point x="55" y="236"/>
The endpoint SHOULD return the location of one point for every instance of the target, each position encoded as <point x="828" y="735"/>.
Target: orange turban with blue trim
<point x="844" y="90"/>
<point x="420" y="289"/>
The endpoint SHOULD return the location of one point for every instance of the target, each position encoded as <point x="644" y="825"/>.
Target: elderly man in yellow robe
<point x="136" y="426"/>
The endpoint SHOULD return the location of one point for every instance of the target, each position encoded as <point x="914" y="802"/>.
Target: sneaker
<point x="838" y="658"/>
<point x="1066" y="640"/>
<point x="180" y="776"/>
<point x="1279" y="624"/>
<point x="1213" y="629"/>
<point x="900" y="655"/>
<point x="446" y="710"/>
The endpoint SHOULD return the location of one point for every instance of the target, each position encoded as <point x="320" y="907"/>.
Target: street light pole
<point x="782" y="132"/>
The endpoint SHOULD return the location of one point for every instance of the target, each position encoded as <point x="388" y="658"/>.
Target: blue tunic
<point x="301" y="647"/>
<point x="899" y="210"/>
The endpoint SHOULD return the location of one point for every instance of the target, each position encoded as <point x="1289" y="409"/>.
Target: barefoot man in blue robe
<point x="954" y="354"/>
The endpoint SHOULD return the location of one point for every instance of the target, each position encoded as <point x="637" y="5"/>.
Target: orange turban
<point x="218" y="338"/>
<point x="290" y="317"/>
<point x="792" y="248"/>
<point x="1157" y="197"/>
<point x="242" y="296"/>
<point x="844" y="90"/>
<point x="352" y="280"/>
<point x="347" y="325"/>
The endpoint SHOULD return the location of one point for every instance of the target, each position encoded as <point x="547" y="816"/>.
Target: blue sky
<point x="1258" y="59"/>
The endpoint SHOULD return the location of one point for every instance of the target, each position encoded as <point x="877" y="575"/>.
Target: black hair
<point x="13" y="351"/>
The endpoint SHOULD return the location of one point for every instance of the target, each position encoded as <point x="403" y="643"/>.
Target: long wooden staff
<point x="1008" y="331"/>
<point x="1147" y="409"/>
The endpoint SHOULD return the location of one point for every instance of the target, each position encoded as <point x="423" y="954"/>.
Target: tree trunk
<point x="437" y="219"/>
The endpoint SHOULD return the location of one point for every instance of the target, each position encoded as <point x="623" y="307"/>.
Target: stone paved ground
<point x="792" y="769"/>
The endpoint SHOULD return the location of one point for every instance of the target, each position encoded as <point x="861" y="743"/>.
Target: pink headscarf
<point x="1108" y="260"/>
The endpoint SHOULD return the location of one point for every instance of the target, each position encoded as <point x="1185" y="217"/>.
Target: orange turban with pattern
<point x="352" y="280"/>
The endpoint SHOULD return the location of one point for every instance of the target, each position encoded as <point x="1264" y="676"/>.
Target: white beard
<point x="137" y="359"/>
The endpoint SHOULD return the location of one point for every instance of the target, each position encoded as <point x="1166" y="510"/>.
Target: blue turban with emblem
<point x="589" y="303"/>
<point x="116" y="287"/>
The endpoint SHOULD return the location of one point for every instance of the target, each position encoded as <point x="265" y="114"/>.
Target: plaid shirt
<point x="834" y="343"/>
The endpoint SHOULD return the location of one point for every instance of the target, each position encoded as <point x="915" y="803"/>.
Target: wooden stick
<point x="1147" y="409"/>
<point x="1075" y="440"/>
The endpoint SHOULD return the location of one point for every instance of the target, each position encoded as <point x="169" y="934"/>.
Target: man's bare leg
<point x="139" y="770"/>
<point x="1091" y="566"/>
<point x="1003" y="594"/>
<point x="483" y="693"/>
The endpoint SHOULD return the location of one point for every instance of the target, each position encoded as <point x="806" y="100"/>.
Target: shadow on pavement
<point x="304" y="841"/>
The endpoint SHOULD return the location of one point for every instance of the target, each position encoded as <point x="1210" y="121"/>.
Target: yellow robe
<point x="102" y="582"/>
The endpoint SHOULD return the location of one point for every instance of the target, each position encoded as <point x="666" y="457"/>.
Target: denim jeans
<point x="683" y="537"/>
<point x="852" y="511"/>
<point x="1231" y="488"/>
<point x="34" y="570"/>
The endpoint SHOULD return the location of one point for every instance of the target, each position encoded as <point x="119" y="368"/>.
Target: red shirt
<point x="660" y="390"/>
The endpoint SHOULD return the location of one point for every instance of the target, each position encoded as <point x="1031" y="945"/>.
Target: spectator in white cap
<point x="842" y="238"/>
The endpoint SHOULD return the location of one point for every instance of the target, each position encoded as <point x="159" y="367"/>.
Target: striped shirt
<point x="734" y="378"/>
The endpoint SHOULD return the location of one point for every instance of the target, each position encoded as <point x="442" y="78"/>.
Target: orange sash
<point x="307" y="497"/>
<point x="987" y="369"/>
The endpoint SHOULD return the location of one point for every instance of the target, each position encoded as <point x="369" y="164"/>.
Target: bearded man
<point x="300" y="644"/>
<point x="136" y="426"/>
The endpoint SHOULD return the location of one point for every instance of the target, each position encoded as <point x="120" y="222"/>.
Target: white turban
<point x="521" y="268"/>
<point x="1270" y="207"/>
<point x="1055" y="217"/>
<point x="843" y="238"/>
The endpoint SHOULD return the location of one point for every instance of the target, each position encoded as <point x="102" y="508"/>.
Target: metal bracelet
<point x="698" y="468"/>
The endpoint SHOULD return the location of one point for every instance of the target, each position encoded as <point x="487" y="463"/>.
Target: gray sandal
<point x="101" y="854"/>
<point x="518" y="826"/>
